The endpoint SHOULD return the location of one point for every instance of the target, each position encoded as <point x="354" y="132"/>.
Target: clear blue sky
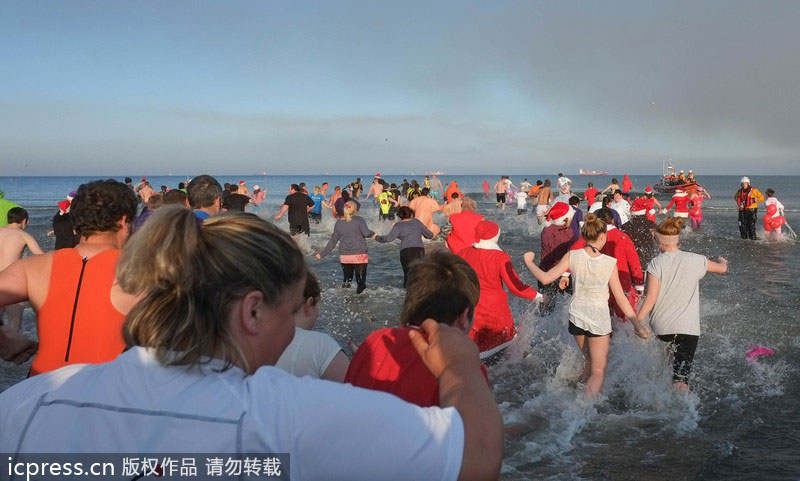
<point x="351" y="87"/>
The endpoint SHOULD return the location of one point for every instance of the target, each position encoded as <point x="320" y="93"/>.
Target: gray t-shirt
<point x="677" y="309"/>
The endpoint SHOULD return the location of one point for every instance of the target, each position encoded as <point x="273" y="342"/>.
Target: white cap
<point x="745" y="180"/>
<point x="691" y="172"/>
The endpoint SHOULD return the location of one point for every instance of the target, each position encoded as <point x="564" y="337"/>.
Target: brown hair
<point x="175" y="197"/>
<point x="592" y="227"/>
<point x="191" y="275"/>
<point x="456" y="288"/>
<point x="312" y="290"/>
<point x="671" y="226"/>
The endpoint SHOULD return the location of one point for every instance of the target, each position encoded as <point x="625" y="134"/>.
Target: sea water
<point x="740" y="419"/>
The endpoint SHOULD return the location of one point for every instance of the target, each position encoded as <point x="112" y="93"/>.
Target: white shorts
<point x="541" y="209"/>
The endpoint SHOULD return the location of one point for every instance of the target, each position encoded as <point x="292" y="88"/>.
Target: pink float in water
<point x="755" y="352"/>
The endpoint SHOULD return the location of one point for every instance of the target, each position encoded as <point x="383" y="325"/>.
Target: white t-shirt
<point x="623" y="208"/>
<point x="309" y="354"/>
<point x="595" y="207"/>
<point x="135" y="405"/>
<point x="521" y="199"/>
<point x="677" y="309"/>
<point x="588" y="309"/>
<point x="525" y="186"/>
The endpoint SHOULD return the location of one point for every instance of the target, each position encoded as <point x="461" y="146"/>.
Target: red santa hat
<point x="639" y="207"/>
<point x="63" y="206"/>
<point x="486" y="230"/>
<point x="241" y="182"/>
<point x="648" y="190"/>
<point x="144" y="178"/>
<point x="560" y="212"/>
<point x="377" y="176"/>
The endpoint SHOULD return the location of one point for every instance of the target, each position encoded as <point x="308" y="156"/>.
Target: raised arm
<point x="515" y="284"/>
<point x="549" y="276"/>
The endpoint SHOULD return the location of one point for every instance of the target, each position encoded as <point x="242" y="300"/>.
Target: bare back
<point x="13" y="241"/>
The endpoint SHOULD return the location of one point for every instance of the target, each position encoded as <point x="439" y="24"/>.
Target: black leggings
<point x="360" y="271"/>
<point x="683" y="347"/>
<point x="408" y="255"/>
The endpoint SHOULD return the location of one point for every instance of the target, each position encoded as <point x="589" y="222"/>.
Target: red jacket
<point x="387" y="361"/>
<point x="680" y="201"/>
<point x="620" y="247"/>
<point x="493" y="324"/>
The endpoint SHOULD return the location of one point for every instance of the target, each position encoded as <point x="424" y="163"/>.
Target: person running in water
<point x="589" y="321"/>
<point x="13" y="241"/>
<point x="681" y="202"/>
<point x="493" y="329"/>
<point x="612" y="187"/>
<point x="651" y="204"/>
<point x="500" y="192"/>
<point x="673" y="298"/>
<point x="485" y="188"/>
<point x="696" y="197"/>
<point x="543" y="198"/>
<point x="772" y="200"/>
<point x="410" y="231"/>
<point x="424" y="208"/>
<point x="350" y="233"/>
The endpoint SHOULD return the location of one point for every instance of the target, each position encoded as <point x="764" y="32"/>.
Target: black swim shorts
<point x="501" y="198"/>
<point x="683" y="347"/>
<point x="577" y="331"/>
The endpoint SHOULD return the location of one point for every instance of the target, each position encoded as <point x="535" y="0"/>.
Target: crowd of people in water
<point x="160" y="313"/>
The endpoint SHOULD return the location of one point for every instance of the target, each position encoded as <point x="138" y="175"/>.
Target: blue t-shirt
<point x="318" y="199"/>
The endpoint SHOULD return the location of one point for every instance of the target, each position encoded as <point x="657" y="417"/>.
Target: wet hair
<point x="295" y="188"/>
<point x="592" y="227"/>
<point x="770" y="192"/>
<point x="312" y="290"/>
<point x="614" y="180"/>
<point x="100" y="205"/>
<point x="456" y="288"/>
<point x="574" y="200"/>
<point x="454" y="195"/>
<point x="426" y="191"/>
<point x="405" y="212"/>
<point x="176" y="197"/>
<point x="16" y="215"/>
<point x="203" y="191"/>
<point x="128" y="180"/>
<point x="547" y="182"/>
<point x="349" y="210"/>
<point x="671" y="226"/>
<point x="188" y="275"/>
<point x="469" y="204"/>
<point x="606" y="215"/>
<point x="155" y="201"/>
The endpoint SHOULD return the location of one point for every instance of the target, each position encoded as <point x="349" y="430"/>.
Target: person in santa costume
<point x="462" y="232"/>
<point x="557" y="237"/>
<point x="681" y="202"/>
<point x="493" y="328"/>
<point x="651" y="203"/>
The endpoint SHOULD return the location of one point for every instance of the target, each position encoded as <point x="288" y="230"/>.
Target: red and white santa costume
<point x="493" y="326"/>
<point x="681" y="202"/>
<point x="650" y="203"/>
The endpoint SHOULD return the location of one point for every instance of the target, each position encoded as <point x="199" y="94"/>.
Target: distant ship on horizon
<point x="592" y="172"/>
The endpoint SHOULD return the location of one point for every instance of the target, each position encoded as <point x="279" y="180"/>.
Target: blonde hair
<point x="592" y="227"/>
<point x="189" y="277"/>
<point x="317" y="189"/>
<point x="469" y="204"/>
<point x="671" y="226"/>
<point x="349" y="210"/>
